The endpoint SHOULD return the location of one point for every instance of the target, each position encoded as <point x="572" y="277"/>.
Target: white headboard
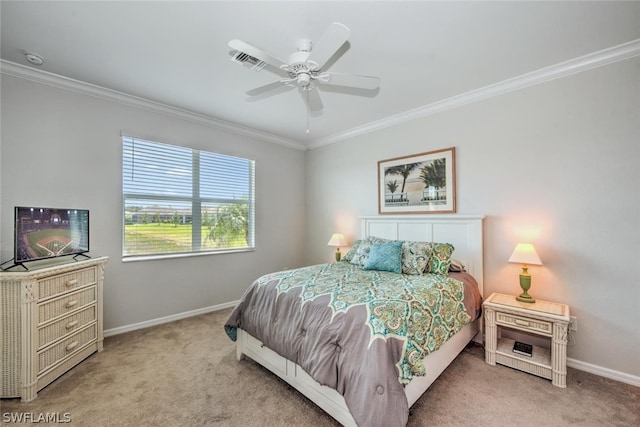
<point x="464" y="232"/>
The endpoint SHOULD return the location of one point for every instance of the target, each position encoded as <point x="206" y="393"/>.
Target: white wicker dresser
<point x="51" y="321"/>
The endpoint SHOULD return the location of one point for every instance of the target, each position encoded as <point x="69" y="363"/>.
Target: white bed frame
<point x="465" y="233"/>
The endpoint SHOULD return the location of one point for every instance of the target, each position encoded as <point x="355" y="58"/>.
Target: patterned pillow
<point x="361" y="254"/>
<point x="374" y="239"/>
<point x="385" y="257"/>
<point x="415" y="257"/>
<point x="352" y="251"/>
<point x="440" y="259"/>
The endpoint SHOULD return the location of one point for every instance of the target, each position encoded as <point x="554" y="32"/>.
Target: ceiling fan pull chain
<point x="307" y="109"/>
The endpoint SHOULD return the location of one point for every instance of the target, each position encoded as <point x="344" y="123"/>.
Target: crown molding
<point x="39" y="76"/>
<point x="553" y="72"/>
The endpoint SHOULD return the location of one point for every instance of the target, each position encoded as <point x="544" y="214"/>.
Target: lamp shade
<point x="525" y="253"/>
<point x="337" y="240"/>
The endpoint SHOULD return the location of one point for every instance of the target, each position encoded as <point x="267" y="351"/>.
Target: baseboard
<point x="167" y="319"/>
<point x="604" y="372"/>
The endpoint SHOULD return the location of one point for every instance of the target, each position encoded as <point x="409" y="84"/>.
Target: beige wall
<point x="61" y="148"/>
<point x="556" y="164"/>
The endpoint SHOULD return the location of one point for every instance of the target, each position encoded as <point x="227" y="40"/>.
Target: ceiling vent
<point x="248" y="61"/>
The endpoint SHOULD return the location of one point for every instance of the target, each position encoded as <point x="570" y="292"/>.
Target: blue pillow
<point x="385" y="257"/>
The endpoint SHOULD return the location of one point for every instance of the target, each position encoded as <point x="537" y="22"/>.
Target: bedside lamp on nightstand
<point x="337" y="240"/>
<point x="525" y="254"/>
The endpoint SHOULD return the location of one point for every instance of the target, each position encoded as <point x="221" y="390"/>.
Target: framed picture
<point x="417" y="184"/>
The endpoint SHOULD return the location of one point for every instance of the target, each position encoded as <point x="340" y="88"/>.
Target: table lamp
<point x="525" y="254"/>
<point x="337" y="240"/>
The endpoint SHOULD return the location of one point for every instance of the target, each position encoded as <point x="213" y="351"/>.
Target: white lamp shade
<point x="337" y="240"/>
<point x="525" y="253"/>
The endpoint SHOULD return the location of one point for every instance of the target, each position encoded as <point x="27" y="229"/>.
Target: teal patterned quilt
<point x="421" y="311"/>
<point x="361" y="332"/>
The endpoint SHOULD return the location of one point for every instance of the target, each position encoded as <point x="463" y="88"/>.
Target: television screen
<point x="47" y="233"/>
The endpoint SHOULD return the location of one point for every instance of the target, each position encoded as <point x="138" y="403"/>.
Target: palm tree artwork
<point x="435" y="181"/>
<point x="404" y="171"/>
<point x="419" y="183"/>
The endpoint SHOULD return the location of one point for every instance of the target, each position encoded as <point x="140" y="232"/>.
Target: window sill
<point x="185" y="255"/>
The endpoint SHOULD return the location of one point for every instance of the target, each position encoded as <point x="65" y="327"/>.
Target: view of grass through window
<point x="178" y="200"/>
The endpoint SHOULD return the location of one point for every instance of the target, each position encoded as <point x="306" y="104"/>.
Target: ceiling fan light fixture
<point x="304" y="79"/>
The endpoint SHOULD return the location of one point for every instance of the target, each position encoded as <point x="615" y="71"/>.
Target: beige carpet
<point x="185" y="374"/>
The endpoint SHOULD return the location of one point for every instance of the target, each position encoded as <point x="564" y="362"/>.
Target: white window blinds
<point x="178" y="200"/>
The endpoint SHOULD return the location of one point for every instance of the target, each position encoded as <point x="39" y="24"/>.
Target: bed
<point x="363" y="340"/>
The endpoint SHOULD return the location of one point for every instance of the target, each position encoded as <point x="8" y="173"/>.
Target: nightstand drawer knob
<point x="71" y="303"/>
<point x="72" y="346"/>
<point x="71" y="283"/>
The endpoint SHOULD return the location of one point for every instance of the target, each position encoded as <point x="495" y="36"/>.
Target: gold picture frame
<point x="422" y="183"/>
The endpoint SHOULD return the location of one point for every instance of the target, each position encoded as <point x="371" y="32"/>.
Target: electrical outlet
<point x="573" y="324"/>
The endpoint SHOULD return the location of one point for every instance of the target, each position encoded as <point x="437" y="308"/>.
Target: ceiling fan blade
<point x="351" y="80"/>
<point x="272" y="88"/>
<point x="311" y="97"/>
<point x="329" y="43"/>
<point x="253" y="51"/>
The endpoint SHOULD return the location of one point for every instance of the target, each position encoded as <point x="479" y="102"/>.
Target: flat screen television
<point x="49" y="232"/>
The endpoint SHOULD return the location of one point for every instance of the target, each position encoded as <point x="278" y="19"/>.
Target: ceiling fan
<point x="306" y="68"/>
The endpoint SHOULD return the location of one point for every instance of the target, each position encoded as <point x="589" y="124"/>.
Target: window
<point x="179" y="201"/>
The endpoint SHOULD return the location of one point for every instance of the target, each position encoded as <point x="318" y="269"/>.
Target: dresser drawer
<point x="525" y="324"/>
<point x="65" y="348"/>
<point x="56" y="285"/>
<point x="66" y="325"/>
<point x="66" y="304"/>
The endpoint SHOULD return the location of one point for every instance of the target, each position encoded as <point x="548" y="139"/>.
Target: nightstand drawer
<point x="62" y="283"/>
<point x="67" y="304"/>
<point x="525" y="324"/>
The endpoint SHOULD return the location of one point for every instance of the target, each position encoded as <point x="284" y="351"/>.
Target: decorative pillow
<point x="440" y="259"/>
<point x="456" y="266"/>
<point x="385" y="257"/>
<point x="374" y="239"/>
<point x="361" y="254"/>
<point x="352" y="251"/>
<point x="415" y="257"/>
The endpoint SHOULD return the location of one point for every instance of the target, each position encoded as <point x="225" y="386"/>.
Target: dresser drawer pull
<point x="71" y="283"/>
<point x="71" y="303"/>
<point x="521" y="322"/>
<point x="72" y="346"/>
<point x="71" y="324"/>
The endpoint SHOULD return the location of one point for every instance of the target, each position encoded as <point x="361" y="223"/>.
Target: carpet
<point x="185" y="373"/>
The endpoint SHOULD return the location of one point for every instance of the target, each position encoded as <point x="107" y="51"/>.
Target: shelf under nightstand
<point x="541" y="318"/>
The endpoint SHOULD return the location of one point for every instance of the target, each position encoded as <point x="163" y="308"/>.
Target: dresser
<point x="51" y="320"/>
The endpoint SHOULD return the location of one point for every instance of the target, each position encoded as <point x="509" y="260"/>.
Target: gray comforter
<point x="362" y="333"/>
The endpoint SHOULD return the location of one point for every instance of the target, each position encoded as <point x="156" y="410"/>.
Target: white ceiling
<point x="424" y="52"/>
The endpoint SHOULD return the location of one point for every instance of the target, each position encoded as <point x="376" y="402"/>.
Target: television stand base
<point x="75" y="257"/>
<point x="12" y="266"/>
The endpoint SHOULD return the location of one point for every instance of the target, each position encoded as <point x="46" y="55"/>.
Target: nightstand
<point x="547" y="319"/>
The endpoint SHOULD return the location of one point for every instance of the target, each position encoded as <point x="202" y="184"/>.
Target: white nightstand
<point x="542" y="318"/>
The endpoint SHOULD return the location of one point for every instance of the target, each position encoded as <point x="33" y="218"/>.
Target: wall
<point x="61" y="148"/>
<point x="555" y="164"/>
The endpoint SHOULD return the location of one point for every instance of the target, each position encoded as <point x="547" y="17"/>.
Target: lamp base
<point x="524" y="297"/>
<point x="525" y="284"/>
<point x="338" y="254"/>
